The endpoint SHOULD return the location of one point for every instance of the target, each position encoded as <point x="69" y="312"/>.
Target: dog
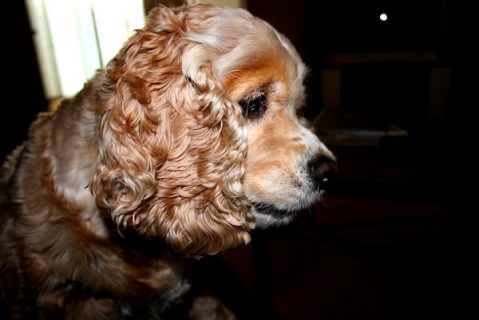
<point x="187" y="140"/>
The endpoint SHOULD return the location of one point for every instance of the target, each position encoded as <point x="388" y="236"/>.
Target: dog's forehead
<point x="273" y="68"/>
<point x="247" y="53"/>
<point x="252" y="54"/>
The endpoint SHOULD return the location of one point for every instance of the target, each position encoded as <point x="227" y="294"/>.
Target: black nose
<point x="320" y="169"/>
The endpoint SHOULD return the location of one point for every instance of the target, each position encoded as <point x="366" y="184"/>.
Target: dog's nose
<point x="320" y="169"/>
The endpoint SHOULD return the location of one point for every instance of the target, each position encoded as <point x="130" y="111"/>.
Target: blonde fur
<point x="153" y="161"/>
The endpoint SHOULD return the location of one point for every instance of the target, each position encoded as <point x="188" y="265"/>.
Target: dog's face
<point x="282" y="153"/>
<point x="263" y="73"/>
<point x="199" y="137"/>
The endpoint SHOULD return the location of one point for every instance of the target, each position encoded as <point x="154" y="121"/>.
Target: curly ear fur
<point x="171" y="148"/>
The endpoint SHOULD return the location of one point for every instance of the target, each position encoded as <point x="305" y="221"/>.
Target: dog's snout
<point x="320" y="169"/>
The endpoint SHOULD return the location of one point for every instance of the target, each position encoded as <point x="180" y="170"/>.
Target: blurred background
<point x="391" y="91"/>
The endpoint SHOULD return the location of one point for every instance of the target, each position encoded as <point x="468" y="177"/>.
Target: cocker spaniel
<point x="186" y="141"/>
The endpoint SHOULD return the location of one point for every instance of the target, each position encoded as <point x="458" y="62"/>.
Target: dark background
<point x="396" y="236"/>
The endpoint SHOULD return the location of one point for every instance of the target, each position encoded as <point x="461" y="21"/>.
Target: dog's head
<point x="199" y="137"/>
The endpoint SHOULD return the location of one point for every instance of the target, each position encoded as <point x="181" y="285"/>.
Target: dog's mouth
<point x="270" y="209"/>
<point x="268" y="215"/>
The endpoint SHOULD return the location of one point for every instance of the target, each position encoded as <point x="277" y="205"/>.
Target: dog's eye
<point x="254" y="106"/>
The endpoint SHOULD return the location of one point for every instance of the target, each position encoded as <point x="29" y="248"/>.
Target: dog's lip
<point x="270" y="209"/>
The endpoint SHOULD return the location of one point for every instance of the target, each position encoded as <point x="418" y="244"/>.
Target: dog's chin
<point x="268" y="216"/>
<point x="273" y="215"/>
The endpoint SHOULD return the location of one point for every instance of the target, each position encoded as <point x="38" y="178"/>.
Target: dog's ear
<point x="171" y="149"/>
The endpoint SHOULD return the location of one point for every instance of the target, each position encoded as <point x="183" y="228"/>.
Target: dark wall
<point x="21" y="87"/>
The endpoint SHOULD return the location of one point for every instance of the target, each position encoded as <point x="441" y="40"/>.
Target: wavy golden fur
<point x="186" y="140"/>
